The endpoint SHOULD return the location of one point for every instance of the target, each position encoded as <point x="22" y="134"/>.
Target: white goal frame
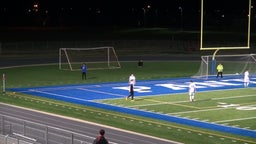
<point x="233" y="65"/>
<point x="109" y="49"/>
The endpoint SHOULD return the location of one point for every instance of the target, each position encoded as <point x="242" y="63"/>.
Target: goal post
<point x="233" y="65"/>
<point x="95" y="58"/>
<point x="238" y="37"/>
<point x="244" y="9"/>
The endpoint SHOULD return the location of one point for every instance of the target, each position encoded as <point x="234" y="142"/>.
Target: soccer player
<point x="191" y="91"/>
<point x="132" y="81"/>
<point x="220" y="70"/>
<point x="246" y="78"/>
<point x="84" y="69"/>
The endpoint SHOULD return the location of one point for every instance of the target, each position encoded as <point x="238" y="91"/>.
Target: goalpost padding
<point x="233" y="65"/>
<point x="95" y="58"/>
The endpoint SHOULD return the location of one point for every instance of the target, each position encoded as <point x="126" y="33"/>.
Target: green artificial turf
<point x="50" y="75"/>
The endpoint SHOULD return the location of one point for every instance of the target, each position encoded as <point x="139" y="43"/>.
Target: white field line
<point x="233" y="97"/>
<point x="59" y="95"/>
<point x="101" y="92"/>
<point x="158" y="103"/>
<point x="240" y="119"/>
<point x="194" y="111"/>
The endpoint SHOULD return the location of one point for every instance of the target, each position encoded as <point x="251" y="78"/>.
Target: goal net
<point x="95" y="58"/>
<point x="233" y="65"/>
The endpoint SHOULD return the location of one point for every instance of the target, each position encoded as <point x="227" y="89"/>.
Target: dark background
<point x="39" y="28"/>
<point x="122" y="13"/>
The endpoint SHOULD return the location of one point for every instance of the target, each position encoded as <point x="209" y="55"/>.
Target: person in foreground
<point x="100" y="139"/>
<point x="192" y="91"/>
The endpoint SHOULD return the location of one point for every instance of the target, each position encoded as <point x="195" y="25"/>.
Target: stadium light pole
<point x="181" y="18"/>
<point x="3" y="79"/>
<point x="144" y="16"/>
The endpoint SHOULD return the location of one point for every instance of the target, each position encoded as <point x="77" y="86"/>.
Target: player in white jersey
<point x="246" y="78"/>
<point x="132" y="81"/>
<point x="191" y="91"/>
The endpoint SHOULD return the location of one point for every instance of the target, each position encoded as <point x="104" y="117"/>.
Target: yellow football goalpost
<point x="223" y="48"/>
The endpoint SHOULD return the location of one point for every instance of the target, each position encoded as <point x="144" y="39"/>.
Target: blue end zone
<point x="84" y="94"/>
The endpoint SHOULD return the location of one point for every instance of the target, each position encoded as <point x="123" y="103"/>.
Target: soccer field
<point x="221" y="104"/>
<point x="223" y="111"/>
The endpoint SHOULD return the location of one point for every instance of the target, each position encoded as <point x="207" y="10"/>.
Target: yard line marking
<point x="96" y="91"/>
<point x="174" y="104"/>
<point x="233" y="97"/>
<point x="235" y="120"/>
<point x="240" y="104"/>
<point x="194" y="111"/>
<point x="185" y="106"/>
<point x="161" y="103"/>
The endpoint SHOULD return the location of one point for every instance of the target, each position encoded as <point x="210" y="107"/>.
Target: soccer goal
<point x="95" y="58"/>
<point x="233" y="65"/>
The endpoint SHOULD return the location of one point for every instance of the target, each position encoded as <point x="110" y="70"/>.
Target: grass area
<point x="46" y="75"/>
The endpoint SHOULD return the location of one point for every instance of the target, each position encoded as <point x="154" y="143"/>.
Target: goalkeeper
<point x="220" y="70"/>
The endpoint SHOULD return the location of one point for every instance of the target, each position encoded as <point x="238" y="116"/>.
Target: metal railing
<point x="19" y="131"/>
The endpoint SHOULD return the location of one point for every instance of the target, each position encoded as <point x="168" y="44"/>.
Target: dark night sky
<point x="167" y="13"/>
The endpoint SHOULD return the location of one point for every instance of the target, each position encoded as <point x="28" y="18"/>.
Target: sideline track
<point x="86" y="94"/>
